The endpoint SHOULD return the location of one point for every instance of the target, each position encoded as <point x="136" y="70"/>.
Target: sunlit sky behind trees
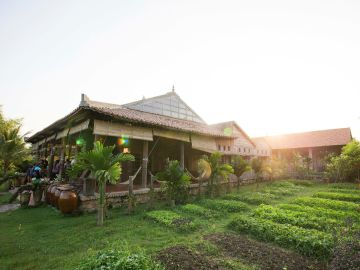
<point x="273" y="66"/>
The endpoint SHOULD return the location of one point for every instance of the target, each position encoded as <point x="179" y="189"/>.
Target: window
<point x="239" y="149"/>
<point x="228" y="147"/>
<point x="219" y="147"/>
<point x="244" y="149"/>
<point x="224" y="148"/>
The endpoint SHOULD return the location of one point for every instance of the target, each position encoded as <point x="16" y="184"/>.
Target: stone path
<point x="9" y="207"/>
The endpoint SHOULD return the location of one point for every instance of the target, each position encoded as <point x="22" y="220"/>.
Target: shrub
<point x="301" y="219"/>
<point x="326" y="203"/>
<point x="171" y="219"/>
<point x="298" y="182"/>
<point x="338" y="196"/>
<point x="307" y="241"/>
<point x="344" y="186"/>
<point x="224" y="205"/>
<point x="121" y="259"/>
<point x="284" y="184"/>
<point x="281" y="191"/>
<point x="251" y="197"/>
<point x="176" y="182"/>
<point x="199" y="210"/>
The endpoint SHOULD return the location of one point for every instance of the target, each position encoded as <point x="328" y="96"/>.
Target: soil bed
<point x="267" y="257"/>
<point x="182" y="258"/>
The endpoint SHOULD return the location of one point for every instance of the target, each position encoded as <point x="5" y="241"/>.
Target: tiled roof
<point x="330" y="137"/>
<point x="159" y="120"/>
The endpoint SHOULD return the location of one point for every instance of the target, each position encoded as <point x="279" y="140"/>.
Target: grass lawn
<point x="42" y="238"/>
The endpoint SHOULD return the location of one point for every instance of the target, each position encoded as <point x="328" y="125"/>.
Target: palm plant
<point x="12" y="148"/>
<point x="240" y="166"/>
<point x="104" y="166"/>
<point x="218" y="171"/>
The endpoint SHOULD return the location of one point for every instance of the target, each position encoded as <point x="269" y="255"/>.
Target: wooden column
<point x="182" y="155"/>
<point x="145" y="160"/>
<point x="62" y="157"/>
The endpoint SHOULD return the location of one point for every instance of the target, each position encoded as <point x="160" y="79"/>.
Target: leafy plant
<point x="199" y="211"/>
<point x="240" y="166"/>
<point x="120" y="259"/>
<point x="104" y="166"/>
<point x="307" y="241"/>
<point x="224" y="205"/>
<point x="172" y="220"/>
<point x="218" y="171"/>
<point x="318" y="202"/>
<point x="251" y="197"/>
<point x="176" y="182"/>
<point x="338" y="196"/>
<point x="301" y="219"/>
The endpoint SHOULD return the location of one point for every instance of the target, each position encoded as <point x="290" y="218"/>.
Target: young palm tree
<point x="218" y="171"/>
<point x="240" y="166"/>
<point x="12" y="148"/>
<point x="105" y="166"/>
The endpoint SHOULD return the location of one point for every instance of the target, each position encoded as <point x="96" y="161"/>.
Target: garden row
<point x="306" y="225"/>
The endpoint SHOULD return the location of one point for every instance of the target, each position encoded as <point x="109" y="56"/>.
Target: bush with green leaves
<point x="172" y="220"/>
<point x="307" y="241"/>
<point x="350" y="186"/>
<point x="326" y="203"/>
<point x="346" y="166"/>
<point x="225" y="205"/>
<point x="120" y="259"/>
<point x="175" y="182"/>
<point x="251" y="197"/>
<point x="300" y="182"/>
<point x="338" y="196"/>
<point x="301" y="219"/>
<point x="199" y="211"/>
<point x="322" y="212"/>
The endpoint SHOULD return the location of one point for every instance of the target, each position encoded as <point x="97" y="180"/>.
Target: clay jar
<point x="48" y="194"/>
<point x="25" y="198"/>
<point x="56" y="197"/>
<point x="52" y="195"/>
<point x="68" y="200"/>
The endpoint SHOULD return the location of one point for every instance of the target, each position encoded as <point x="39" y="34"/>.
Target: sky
<point x="272" y="66"/>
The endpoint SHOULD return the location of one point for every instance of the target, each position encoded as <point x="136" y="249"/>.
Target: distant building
<point x="314" y="144"/>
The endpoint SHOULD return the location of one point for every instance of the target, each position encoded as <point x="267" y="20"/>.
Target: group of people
<point x="41" y="169"/>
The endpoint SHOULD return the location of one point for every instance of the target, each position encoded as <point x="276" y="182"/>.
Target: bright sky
<point x="272" y="66"/>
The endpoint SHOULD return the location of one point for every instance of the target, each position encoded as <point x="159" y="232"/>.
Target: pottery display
<point x="68" y="200"/>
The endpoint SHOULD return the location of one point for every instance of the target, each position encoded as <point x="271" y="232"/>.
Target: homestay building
<point x="315" y="145"/>
<point x="152" y="129"/>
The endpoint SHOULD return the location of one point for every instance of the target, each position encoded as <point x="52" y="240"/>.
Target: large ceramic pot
<point x="37" y="196"/>
<point x="68" y="201"/>
<point x="25" y="198"/>
<point x="48" y="194"/>
<point x="56" y="197"/>
<point x="52" y="195"/>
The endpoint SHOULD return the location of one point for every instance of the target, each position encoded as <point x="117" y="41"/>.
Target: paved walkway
<point x="9" y="207"/>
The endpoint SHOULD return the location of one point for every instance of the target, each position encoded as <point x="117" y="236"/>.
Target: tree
<point x="240" y="166"/>
<point x="12" y="148"/>
<point x="346" y="166"/>
<point x="218" y="171"/>
<point x="175" y="182"/>
<point x="104" y="166"/>
<point x="257" y="166"/>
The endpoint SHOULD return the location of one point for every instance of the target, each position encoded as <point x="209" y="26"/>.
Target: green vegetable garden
<point x="301" y="220"/>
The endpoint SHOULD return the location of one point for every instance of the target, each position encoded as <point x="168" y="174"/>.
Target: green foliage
<point x="218" y="171"/>
<point x="13" y="150"/>
<point x="199" y="211"/>
<point x="224" y="205"/>
<point x="318" y="202"/>
<point x="341" y="215"/>
<point x="102" y="164"/>
<point x="120" y="259"/>
<point x="338" y="196"/>
<point x="300" y="219"/>
<point x="307" y="241"/>
<point x="299" y="182"/>
<point x="172" y="220"/>
<point x="257" y="166"/>
<point x="251" y="197"/>
<point x="176" y="182"/>
<point x="346" y="166"/>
